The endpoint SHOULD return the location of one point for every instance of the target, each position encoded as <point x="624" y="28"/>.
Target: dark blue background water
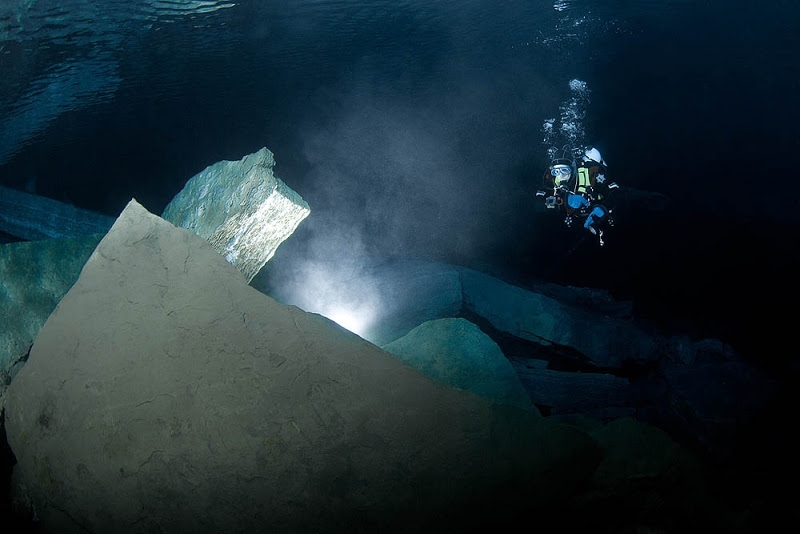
<point x="415" y="129"/>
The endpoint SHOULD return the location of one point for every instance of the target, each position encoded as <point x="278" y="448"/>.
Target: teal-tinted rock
<point x="33" y="217"/>
<point x="241" y="208"/>
<point x="33" y="278"/>
<point x="458" y="353"/>
<point x="606" y="341"/>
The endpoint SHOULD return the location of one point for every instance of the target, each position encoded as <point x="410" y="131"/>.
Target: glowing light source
<point x="340" y="292"/>
<point x="350" y="319"/>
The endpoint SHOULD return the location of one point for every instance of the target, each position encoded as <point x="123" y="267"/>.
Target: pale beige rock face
<point x="241" y="208"/>
<point x="165" y="394"/>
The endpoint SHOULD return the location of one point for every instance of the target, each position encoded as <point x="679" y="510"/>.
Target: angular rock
<point x="412" y="292"/>
<point x="456" y="352"/>
<point x="32" y="217"/>
<point x="647" y="482"/>
<point x="634" y="449"/>
<point x="669" y="388"/>
<point x="35" y="275"/>
<point x="164" y="393"/>
<point x="607" y="342"/>
<point x="710" y="402"/>
<point x="565" y="392"/>
<point x="596" y="300"/>
<point x="241" y="208"/>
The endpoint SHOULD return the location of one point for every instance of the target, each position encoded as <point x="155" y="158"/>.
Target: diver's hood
<point x="594" y="155"/>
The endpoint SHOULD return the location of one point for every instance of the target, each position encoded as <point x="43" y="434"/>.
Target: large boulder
<point x="457" y="352"/>
<point x="241" y="208"/>
<point x="575" y="350"/>
<point x="648" y="482"/>
<point x="704" y="391"/>
<point x="412" y="292"/>
<point x="164" y="393"/>
<point x="602" y="395"/>
<point x="596" y="300"/>
<point x="35" y="275"/>
<point x="607" y="341"/>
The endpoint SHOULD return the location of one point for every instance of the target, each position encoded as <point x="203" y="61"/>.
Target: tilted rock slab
<point x="654" y="483"/>
<point x="418" y="291"/>
<point x="241" y="208"/>
<point x="606" y="341"/>
<point x="165" y="394"/>
<point x="568" y="392"/>
<point x="33" y="217"/>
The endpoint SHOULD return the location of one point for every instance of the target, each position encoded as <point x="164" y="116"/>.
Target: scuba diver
<point x="579" y="187"/>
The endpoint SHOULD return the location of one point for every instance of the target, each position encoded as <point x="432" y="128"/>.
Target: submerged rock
<point x="600" y="394"/>
<point x="384" y="300"/>
<point x="412" y="292"/>
<point x="241" y="208"/>
<point x="458" y="353"/>
<point x="575" y="351"/>
<point x="648" y="482"/>
<point x="33" y="217"/>
<point x="605" y="341"/>
<point x="164" y="393"/>
<point x="35" y="275"/>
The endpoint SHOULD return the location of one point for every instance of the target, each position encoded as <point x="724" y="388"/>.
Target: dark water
<point x="415" y="129"/>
